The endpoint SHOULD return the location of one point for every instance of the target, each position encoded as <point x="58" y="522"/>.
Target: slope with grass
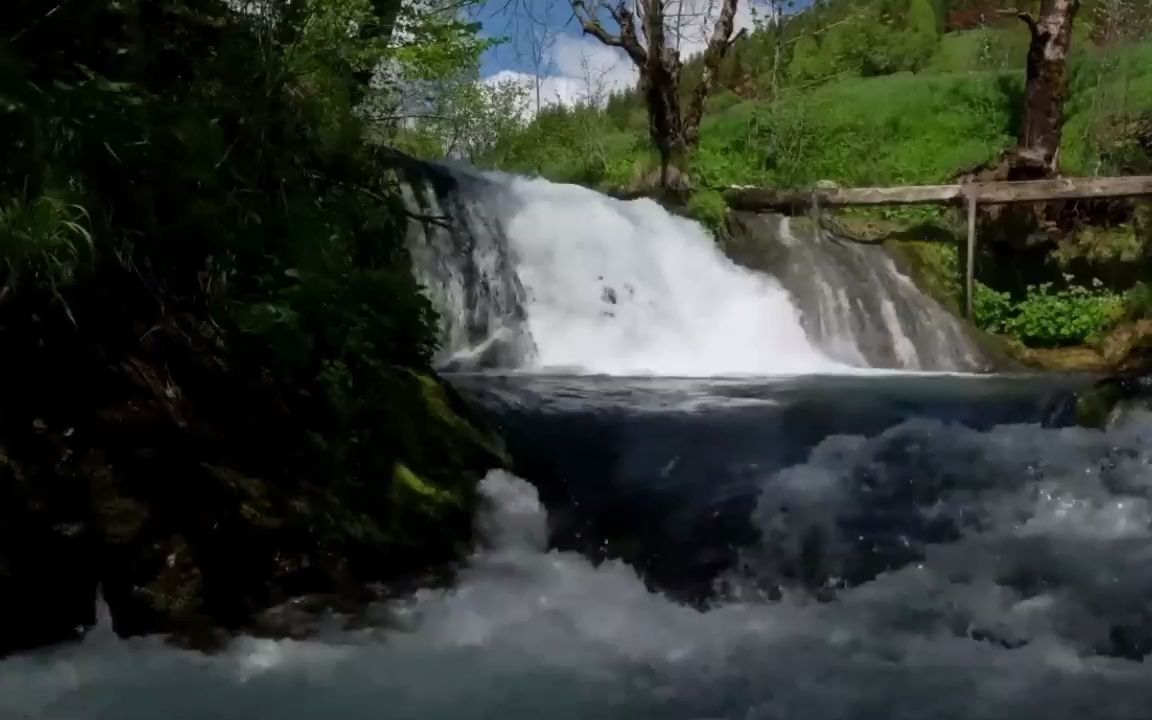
<point x="958" y="112"/>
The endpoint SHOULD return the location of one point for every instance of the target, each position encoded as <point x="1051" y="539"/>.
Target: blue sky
<point x="517" y="26"/>
<point x="573" y="67"/>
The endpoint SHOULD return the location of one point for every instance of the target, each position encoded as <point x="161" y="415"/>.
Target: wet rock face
<point x="461" y="258"/>
<point x="853" y="301"/>
<point x="47" y="554"/>
<point x="1128" y="348"/>
<point x="1112" y="399"/>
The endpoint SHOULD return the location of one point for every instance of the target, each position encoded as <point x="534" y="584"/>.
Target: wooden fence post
<point x="970" y="266"/>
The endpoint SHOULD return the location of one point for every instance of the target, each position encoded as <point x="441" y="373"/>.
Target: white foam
<point x="527" y="633"/>
<point x="626" y="288"/>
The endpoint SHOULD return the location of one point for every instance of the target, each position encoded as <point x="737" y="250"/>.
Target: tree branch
<point x="717" y="48"/>
<point x="627" y="39"/>
<point x="1024" y="17"/>
<point x="743" y="33"/>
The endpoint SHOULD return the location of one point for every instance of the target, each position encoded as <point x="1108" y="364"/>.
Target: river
<point x="717" y="514"/>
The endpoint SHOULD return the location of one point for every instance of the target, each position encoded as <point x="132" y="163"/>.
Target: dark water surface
<point x="666" y="472"/>
<point x="880" y="547"/>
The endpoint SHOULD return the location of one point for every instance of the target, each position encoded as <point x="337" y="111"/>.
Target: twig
<point x="32" y="27"/>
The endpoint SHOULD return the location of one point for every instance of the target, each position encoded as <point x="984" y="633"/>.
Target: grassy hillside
<point x="899" y="128"/>
<point x="862" y="98"/>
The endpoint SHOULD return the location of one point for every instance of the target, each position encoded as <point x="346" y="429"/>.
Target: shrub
<point x="1138" y="302"/>
<point x="1047" y="317"/>
<point x="709" y="209"/>
<point x="992" y="310"/>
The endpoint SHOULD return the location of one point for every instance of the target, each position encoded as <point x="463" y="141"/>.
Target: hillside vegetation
<point x="216" y="378"/>
<point x="885" y="92"/>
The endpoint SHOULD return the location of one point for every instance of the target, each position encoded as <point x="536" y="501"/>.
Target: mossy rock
<point x="1080" y="358"/>
<point x="1128" y="347"/>
<point x="933" y="266"/>
<point x="1106" y="402"/>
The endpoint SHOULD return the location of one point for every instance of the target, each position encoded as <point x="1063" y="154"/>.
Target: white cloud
<point x="554" y="89"/>
<point x="584" y="71"/>
<point x="581" y="69"/>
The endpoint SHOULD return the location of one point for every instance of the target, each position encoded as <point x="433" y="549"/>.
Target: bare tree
<point x="1046" y="91"/>
<point x="776" y="23"/>
<point x="673" y="130"/>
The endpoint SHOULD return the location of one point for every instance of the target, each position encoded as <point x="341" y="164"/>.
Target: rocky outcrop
<point x="1126" y="351"/>
<point x="1109" y="400"/>
<point x="1128" y="348"/>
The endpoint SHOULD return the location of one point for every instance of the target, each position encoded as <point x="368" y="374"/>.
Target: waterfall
<point x="534" y="275"/>
<point x="855" y="304"/>
<point x="546" y="276"/>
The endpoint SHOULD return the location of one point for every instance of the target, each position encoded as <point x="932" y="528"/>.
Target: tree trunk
<point x="1037" y="152"/>
<point x="660" y="83"/>
<point x="673" y="132"/>
<point x="714" y="54"/>
<point x="1046" y="90"/>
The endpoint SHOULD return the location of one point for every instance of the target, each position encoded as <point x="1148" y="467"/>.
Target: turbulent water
<point x="956" y="564"/>
<point x="814" y="547"/>
<point x="534" y="275"/>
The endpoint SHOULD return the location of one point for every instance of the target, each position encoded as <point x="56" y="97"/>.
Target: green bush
<point x="708" y="207"/>
<point x="980" y="49"/>
<point x="992" y="310"/>
<point x="1048" y="317"/>
<point x="1138" y="302"/>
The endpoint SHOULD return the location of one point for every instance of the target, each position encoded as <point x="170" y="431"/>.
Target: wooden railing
<point x="971" y="194"/>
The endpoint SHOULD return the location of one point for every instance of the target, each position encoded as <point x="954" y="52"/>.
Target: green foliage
<point x="468" y="121"/>
<point x="808" y="63"/>
<point x="1108" y="92"/>
<point x="709" y="208"/>
<point x="1138" y="302"/>
<point x="922" y="34"/>
<point x="45" y="240"/>
<point x="992" y="310"/>
<point x="198" y="248"/>
<point x="577" y="144"/>
<point x="916" y="129"/>
<point x="1049" y="317"/>
<point x="980" y="49"/>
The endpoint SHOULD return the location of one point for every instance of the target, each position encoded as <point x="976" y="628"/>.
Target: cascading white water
<point x="855" y="303"/>
<point x="559" y="277"/>
<point x="627" y="288"/>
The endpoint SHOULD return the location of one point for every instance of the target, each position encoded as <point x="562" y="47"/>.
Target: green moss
<point x="408" y="486"/>
<point x="708" y="208"/>
<point x="933" y="266"/>
<point x="450" y="425"/>
<point x="1102" y="245"/>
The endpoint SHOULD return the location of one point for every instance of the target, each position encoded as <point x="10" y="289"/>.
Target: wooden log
<point x="768" y="199"/>
<point x="759" y="199"/>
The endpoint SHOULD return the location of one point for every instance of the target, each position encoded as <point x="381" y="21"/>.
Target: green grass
<point x="983" y="49"/>
<point x="895" y="129"/>
<point x="901" y="128"/>
<point x="1106" y="89"/>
